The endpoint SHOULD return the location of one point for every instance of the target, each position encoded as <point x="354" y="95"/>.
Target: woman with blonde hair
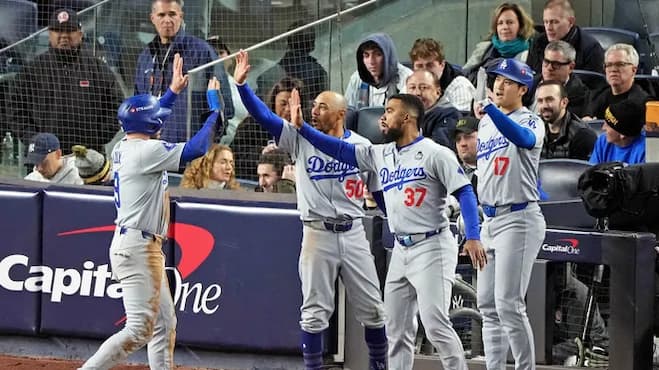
<point x="511" y="29"/>
<point x="215" y="170"/>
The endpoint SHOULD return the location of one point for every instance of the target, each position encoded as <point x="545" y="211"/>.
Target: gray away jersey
<point x="508" y="174"/>
<point x="139" y="170"/>
<point x="326" y="188"/>
<point x="416" y="180"/>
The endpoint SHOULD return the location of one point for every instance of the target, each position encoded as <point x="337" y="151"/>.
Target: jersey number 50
<point x="354" y="188"/>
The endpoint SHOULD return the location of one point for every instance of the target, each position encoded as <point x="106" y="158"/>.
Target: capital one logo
<point x="195" y="243"/>
<point x="565" y="246"/>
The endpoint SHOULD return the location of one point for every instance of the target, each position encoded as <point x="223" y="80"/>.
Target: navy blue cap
<point x="515" y="70"/>
<point x="40" y="146"/>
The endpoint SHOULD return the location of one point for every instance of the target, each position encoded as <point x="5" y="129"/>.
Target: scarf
<point x="510" y="49"/>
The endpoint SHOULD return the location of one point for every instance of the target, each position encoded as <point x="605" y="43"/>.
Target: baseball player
<point x="329" y="197"/>
<point x="139" y="168"/>
<point x="510" y="140"/>
<point x="416" y="175"/>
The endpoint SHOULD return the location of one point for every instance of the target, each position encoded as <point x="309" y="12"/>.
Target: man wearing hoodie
<point x="378" y="75"/>
<point x="49" y="165"/>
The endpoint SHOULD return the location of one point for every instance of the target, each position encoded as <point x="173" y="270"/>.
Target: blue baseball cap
<point x="513" y="69"/>
<point x="40" y="146"/>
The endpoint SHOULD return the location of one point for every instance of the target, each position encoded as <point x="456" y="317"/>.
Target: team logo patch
<point x="419" y="155"/>
<point x="30" y="148"/>
<point x="62" y="17"/>
<point x="169" y="146"/>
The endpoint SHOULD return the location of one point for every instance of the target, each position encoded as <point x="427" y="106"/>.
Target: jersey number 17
<point x="501" y="165"/>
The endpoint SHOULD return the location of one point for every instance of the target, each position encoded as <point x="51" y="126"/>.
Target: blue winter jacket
<point x="153" y="78"/>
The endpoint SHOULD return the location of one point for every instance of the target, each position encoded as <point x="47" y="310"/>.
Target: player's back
<point x="140" y="183"/>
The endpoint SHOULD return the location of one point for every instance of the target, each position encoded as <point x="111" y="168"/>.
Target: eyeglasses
<point x="617" y="65"/>
<point x="555" y="64"/>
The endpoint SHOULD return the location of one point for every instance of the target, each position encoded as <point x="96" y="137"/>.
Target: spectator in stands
<point x="558" y="65"/>
<point x="297" y="63"/>
<point x="623" y="138"/>
<point x="566" y="135"/>
<point x="66" y="91"/>
<point x="511" y="28"/>
<point x="440" y="115"/>
<point x="45" y="153"/>
<point x="276" y="173"/>
<point x="93" y="167"/>
<point x="378" y="73"/>
<point x="560" y="24"/>
<point x="251" y="138"/>
<point x="239" y="111"/>
<point x="458" y="90"/>
<point x="154" y="68"/>
<point x="466" y="142"/>
<point x="620" y="68"/>
<point x="215" y="170"/>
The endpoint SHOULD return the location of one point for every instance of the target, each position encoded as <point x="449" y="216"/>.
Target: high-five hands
<point x="179" y="80"/>
<point x="296" y="109"/>
<point x="242" y="67"/>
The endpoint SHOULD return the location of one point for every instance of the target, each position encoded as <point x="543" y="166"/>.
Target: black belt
<point x="334" y="227"/>
<point x="491" y="211"/>
<point x="145" y="234"/>
<point x="408" y="240"/>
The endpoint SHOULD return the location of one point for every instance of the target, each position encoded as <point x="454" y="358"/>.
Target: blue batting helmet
<point x="514" y="70"/>
<point x="143" y="114"/>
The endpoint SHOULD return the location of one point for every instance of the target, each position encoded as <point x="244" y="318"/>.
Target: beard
<point x="393" y="134"/>
<point x="550" y="116"/>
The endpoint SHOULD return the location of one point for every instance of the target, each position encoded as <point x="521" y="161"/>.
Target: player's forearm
<point x="335" y="148"/>
<point x="469" y="211"/>
<point x="260" y="111"/>
<point x="520" y="136"/>
<point x="168" y="100"/>
<point x="199" y="144"/>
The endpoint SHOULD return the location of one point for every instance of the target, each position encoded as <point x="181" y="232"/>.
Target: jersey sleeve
<point x="288" y="140"/>
<point x="535" y="124"/>
<point x="158" y="155"/>
<point x="366" y="157"/>
<point x="448" y="170"/>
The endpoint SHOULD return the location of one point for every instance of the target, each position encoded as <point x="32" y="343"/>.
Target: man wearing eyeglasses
<point x="440" y="116"/>
<point x="557" y="65"/>
<point x="621" y="63"/>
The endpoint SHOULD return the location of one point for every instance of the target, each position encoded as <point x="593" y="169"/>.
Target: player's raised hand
<point x="179" y="80"/>
<point x="213" y="95"/>
<point x="296" y="109"/>
<point x="242" y="67"/>
<point x="474" y="249"/>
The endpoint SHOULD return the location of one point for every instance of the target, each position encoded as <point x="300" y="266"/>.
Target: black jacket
<point x="576" y="140"/>
<point x="71" y="94"/>
<point x="590" y="55"/>
<point x="439" y="123"/>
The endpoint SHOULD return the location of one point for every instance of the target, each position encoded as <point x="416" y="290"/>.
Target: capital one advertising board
<point x="232" y="270"/>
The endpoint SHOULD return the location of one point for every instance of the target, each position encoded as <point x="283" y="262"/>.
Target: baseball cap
<point x="40" y="146"/>
<point x="514" y="70"/>
<point x="627" y="117"/>
<point x="466" y="125"/>
<point x="64" y="20"/>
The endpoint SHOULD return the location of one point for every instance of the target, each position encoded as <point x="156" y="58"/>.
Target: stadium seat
<point x="351" y="119"/>
<point x="593" y="80"/>
<point x="368" y="124"/>
<point x="596" y="125"/>
<point x="18" y="19"/>
<point x="559" y="177"/>
<point x="649" y="83"/>
<point x="608" y="36"/>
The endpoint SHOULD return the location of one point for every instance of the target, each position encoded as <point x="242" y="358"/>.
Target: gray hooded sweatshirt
<point x="68" y="174"/>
